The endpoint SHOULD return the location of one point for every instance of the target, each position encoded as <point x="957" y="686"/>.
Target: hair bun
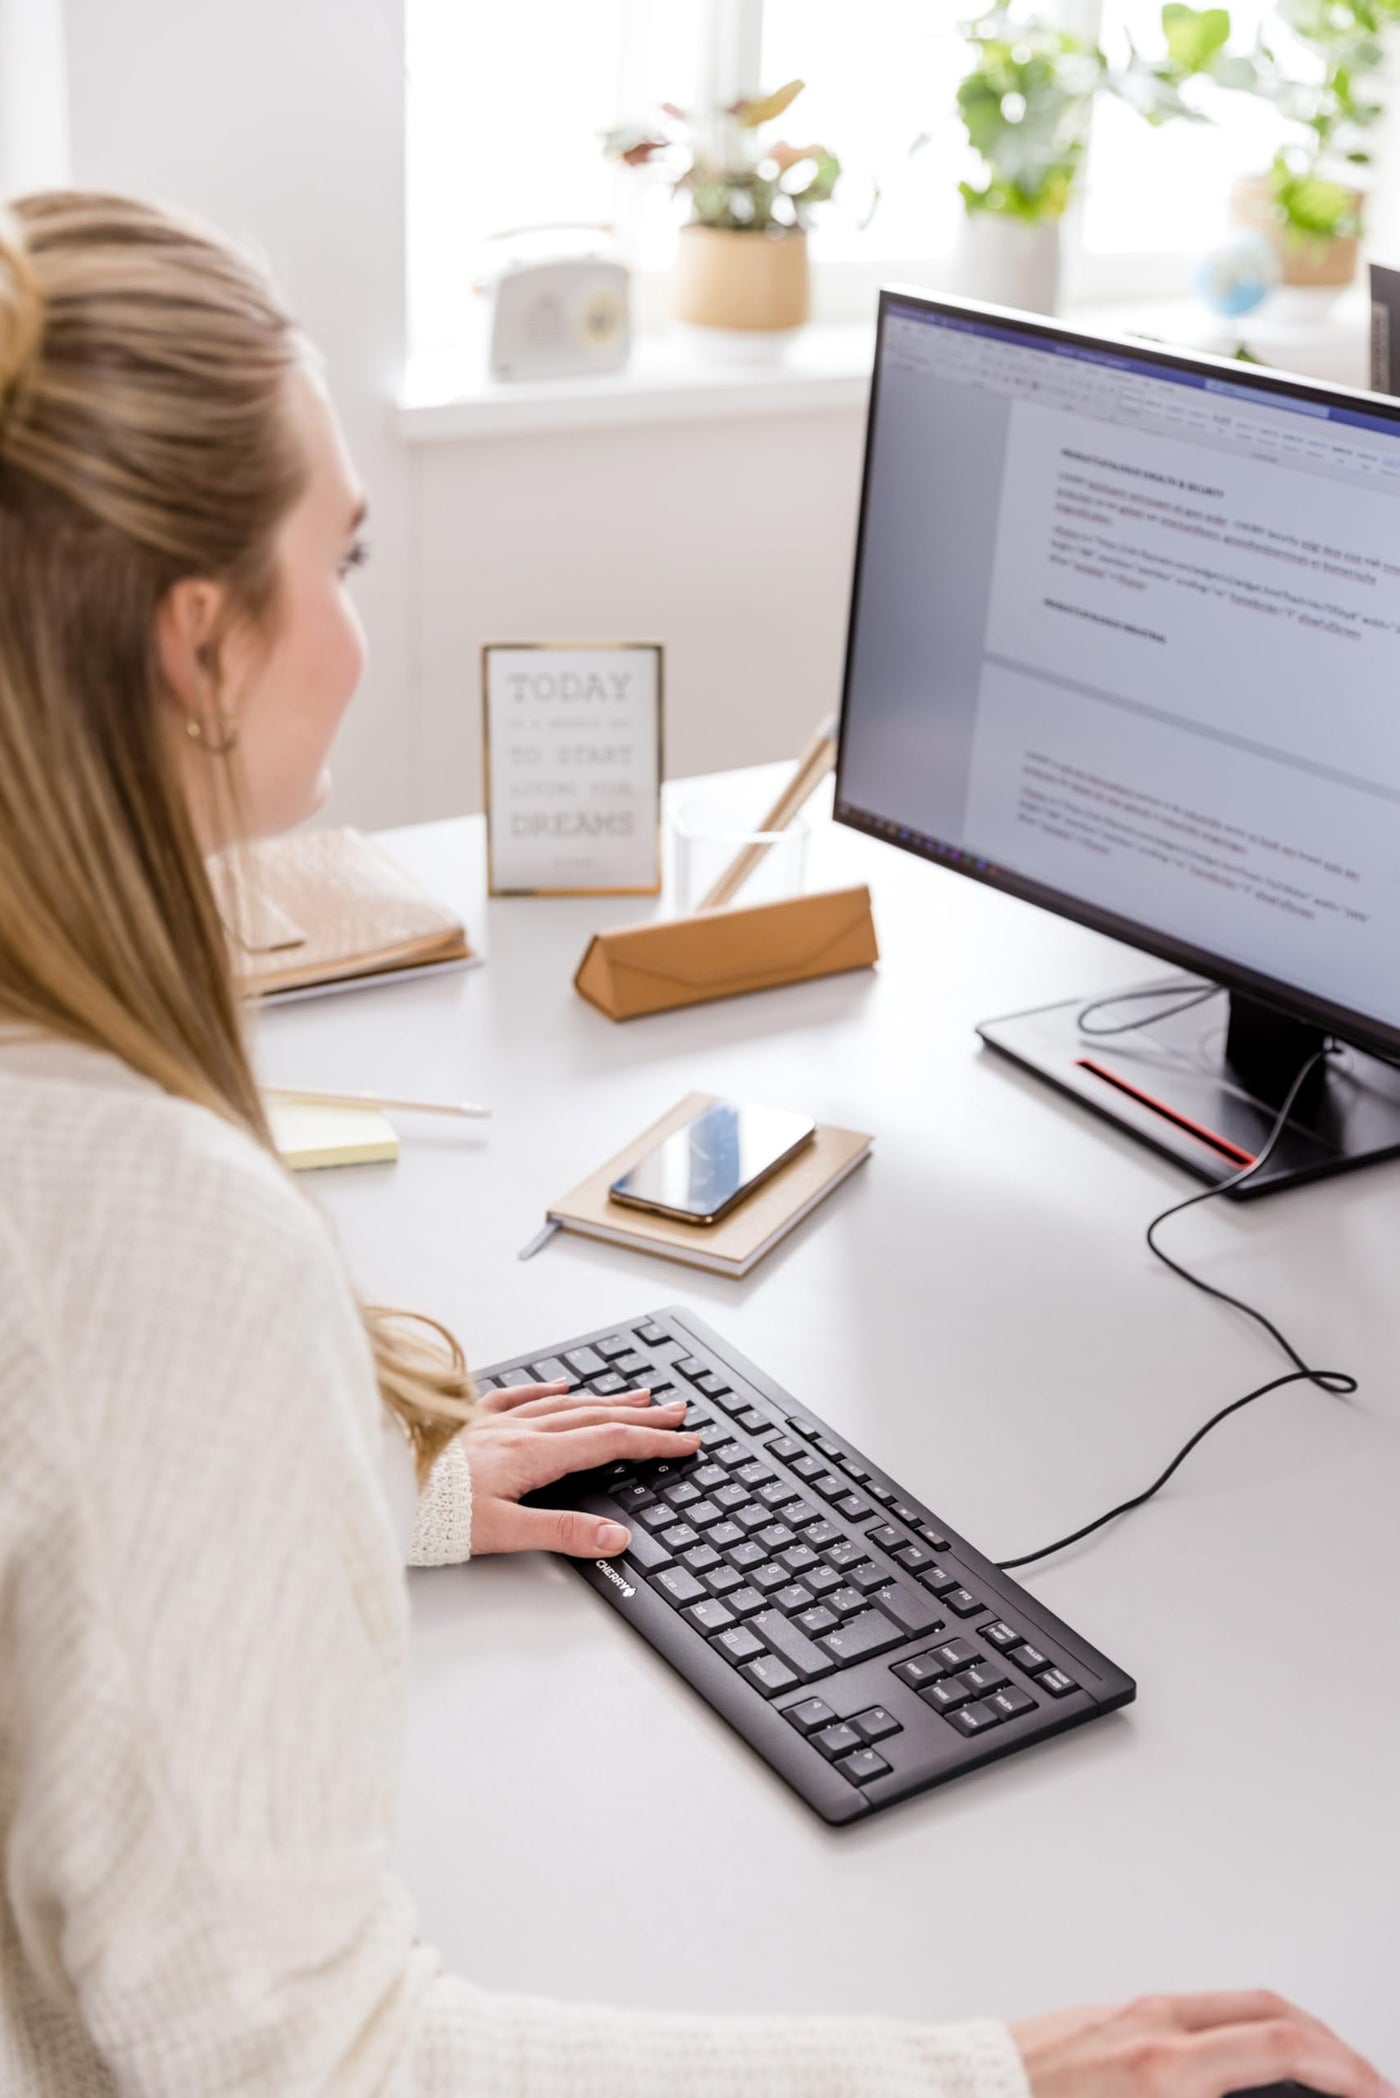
<point x="21" y="306"/>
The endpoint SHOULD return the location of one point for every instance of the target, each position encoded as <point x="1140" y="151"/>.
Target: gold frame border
<point x="577" y="647"/>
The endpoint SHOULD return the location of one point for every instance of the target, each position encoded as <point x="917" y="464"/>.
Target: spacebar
<point x="794" y="1646"/>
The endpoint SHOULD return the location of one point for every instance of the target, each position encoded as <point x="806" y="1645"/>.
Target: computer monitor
<point x="1125" y="642"/>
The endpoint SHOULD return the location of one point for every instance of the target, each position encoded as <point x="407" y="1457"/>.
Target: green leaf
<point x="1194" y="35"/>
<point x="766" y="107"/>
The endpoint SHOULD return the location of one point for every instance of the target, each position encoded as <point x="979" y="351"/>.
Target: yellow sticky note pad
<point x="308" y="1134"/>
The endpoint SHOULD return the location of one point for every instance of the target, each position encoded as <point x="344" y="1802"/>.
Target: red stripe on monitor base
<point x="1211" y="1137"/>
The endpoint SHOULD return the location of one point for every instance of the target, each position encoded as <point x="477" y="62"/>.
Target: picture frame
<point x="572" y="767"/>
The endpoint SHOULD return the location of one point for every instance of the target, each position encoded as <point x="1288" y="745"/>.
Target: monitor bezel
<point x="1366" y="1030"/>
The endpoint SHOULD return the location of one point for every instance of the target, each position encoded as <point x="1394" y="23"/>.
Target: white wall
<point x="282" y="121"/>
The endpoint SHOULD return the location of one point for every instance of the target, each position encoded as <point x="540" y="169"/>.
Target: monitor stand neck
<point x="1266" y="1050"/>
<point x="1207" y="1094"/>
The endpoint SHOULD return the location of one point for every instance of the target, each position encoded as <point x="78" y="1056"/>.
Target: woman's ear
<point x="186" y="625"/>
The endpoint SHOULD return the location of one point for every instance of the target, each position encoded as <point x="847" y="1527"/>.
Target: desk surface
<point x="977" y="1310"/>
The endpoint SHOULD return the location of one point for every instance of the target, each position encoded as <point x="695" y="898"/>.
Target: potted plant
<point x="1025" y="105"/>
<point x="1311" y="201"/>
<point x="742" y="259"/>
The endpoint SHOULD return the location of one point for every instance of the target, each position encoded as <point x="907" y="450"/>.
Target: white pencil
<point x="317" y="1097"/>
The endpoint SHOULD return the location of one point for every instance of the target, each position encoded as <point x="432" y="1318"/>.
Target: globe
<point x="1239" y="275"/>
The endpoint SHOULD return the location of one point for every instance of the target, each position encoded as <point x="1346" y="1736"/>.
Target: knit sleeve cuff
<point x="442" y="1530"/>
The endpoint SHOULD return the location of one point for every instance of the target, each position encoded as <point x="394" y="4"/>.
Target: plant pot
<point x="1007" y="262"/>
<point x="748" y="283"/>
<point x="1317" y="263"/>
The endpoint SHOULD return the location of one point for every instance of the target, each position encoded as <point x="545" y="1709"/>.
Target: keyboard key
<point x="852" y="1507"/>
<point x="723" y="1580"/>
<point x="821" y="1535"/>
<point x="815" y="1622"/>
<point x="738" y="1644"/>
<point x="678" y="1586"/>
<point x="724" y="1535"/>
<point x="905" y="1514"/>
<point x="551" y="1371"/>
<point x="745" y="1601"/>
<point x="709" y="1616"/>
<point x="924" y="1668"/>
<point x="730" y="1496"/>
<point x="870" y="1633"/>
<point x="886" y="1536"/>
<point x="845" y="1555"/>
<point x="809" y="1715"/>
<point x="806" y="1467"/>
<point x="983" y="1676"/>
<point x="701" y="1559"/>
<point x="837" y="1741"/>
<point x="775" y="1493"/>
<point x="682" y="1494"/>
<point x="962" y="1602"/>
<point x="680" y="1537"/>
<point x="933" y="1537"/>
<point x="769" y="1577"/>
<point x="941" y="1579"/>
<point x="785" y="1448"/>
<point x="617" y="1344"/>
<point x="866" y="1577"/>
<point x="651" y="1333"/>
<point x="749" y="1417"/>
<point x="776" y="1537"/>
<point x="798" y="1514"/>
<point x="909" y="1607"/>
<point x="914" y="1558"/>
<point x="751" y="1517"/>
<point x="609" y="1386"/>
<point x="823" y="1442"/>
<point x="957" y="1654"/>
<point x="946" y="1696"/>
<point x="828" y="1484"/>
<point x="875" y="1724"/>
<point x="747" y="1556"/>
<point x="1011" y="1702"/>
<point x="1056" y="1682"/>
<point x="821" y="1580"/>
<point x="855" y="1471"/>
<point x="796" y="1596"/>
<point x="659" y="1516"/>
<point x="631" y="1494"/>
<point x="635" y="1368"/>
<point x="587" y="1362"/>
<point x="730" y="1454"/>
<point x="689" y="1367"/>
<point x="975" y="1719"/>
<point x="864" y="1767"/>
<point x="712" y="1382"/>
<point x="883" y="1494"/>
<point x="1029" y="1657"/>
<point x="792" y="1643"/>
<point x="799" y="1558"/>
<point x="647" y="1551"/>
<point x="753" y="1475"/>
<point x="769" y="1674"/>
<point x="848" y="1601"/>
<point x="704" y="1515"/>
<point x="712" y="1476"/>
<point x="1001" y="1635"/>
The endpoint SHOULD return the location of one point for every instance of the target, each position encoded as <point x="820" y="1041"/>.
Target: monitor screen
<point x="1125" y="640"/>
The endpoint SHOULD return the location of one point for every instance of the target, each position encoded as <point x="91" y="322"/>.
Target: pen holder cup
<point x="707" y="835"/>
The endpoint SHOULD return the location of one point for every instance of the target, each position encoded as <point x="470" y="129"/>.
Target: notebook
<point x="739" y="1241"/>
<point x="328" y="908"/>
<point x="308" y="1134"/>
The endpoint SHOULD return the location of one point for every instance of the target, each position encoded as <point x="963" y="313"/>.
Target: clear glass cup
<point x="706" y="836"/>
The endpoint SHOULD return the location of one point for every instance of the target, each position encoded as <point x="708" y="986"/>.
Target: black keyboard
<point x="859" y="1644"/>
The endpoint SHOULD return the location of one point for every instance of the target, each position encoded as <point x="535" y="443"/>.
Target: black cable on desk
<point x="1337" y="1383"/>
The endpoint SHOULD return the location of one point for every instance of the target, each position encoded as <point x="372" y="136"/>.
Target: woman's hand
<point x="1189" y="2047"/>
<point x="534" y="1433"/>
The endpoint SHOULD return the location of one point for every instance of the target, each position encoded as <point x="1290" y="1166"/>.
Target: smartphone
<point x="701" y="1172"/>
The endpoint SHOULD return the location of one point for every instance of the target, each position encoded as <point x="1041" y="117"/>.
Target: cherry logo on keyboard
<point x="614" y="1576"/>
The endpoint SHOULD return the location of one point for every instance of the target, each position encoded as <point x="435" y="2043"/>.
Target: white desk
<point x="975" y="1309"/>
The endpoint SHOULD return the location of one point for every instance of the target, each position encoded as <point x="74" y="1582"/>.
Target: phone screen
<point x="705" y="1168"/>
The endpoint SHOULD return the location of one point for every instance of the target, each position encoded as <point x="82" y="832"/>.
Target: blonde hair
<point x="145" y="435"/>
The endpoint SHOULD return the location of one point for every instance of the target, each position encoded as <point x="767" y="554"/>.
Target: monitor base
<point x="1204" y="1086"/>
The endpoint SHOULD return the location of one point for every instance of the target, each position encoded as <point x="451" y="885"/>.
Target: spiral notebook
<point x="740" y="1240"/>
<point x="329" y="910"/>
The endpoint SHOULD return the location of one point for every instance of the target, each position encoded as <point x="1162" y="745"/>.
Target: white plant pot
<point x="1008" y="263"/>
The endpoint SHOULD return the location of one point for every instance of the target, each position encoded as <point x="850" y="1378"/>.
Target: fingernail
<point x="612" y="1537"/>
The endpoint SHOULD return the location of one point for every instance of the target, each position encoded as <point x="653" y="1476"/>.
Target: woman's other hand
<point x="532" y="1434"/>
<point x="1189" y="2047"/>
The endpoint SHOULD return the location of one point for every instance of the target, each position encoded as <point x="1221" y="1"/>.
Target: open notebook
<point x="740" y="1240"/>
<point x="328" y="908"/>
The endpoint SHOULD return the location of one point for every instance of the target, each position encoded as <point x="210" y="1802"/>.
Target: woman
<point x="202" y="1434"/>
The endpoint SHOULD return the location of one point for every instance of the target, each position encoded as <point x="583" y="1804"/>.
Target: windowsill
<point x="672" y="378"/>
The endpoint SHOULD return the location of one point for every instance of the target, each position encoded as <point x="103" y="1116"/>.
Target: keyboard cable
<point x="1336" y="1383"/>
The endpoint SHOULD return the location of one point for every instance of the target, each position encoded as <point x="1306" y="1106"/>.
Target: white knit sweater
<point x="202" y="1637"/>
